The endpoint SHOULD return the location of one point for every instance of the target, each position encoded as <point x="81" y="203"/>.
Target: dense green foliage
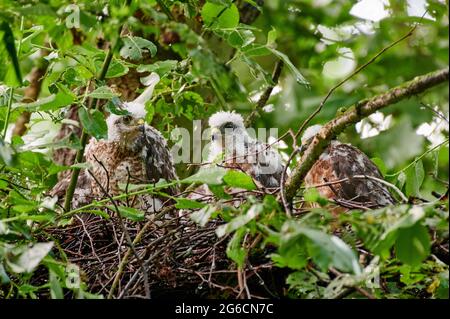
<point x="208" y="61"/>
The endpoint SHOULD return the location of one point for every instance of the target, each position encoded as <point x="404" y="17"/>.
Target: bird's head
<point x="226" y="127"/>
<point x="126" y="128"/>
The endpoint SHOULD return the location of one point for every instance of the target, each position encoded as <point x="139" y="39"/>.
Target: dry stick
<point x="147" y="262"/>
<point x="126" y="233"/>
<point x="125" y="258"/>
<point x="319" y="108"/>
<point x="266" y="95"/>
<point x="353" y="115"/>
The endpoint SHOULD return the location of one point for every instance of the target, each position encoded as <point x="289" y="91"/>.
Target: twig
<point x="136" y="240"/>
<point x="359" y="69"/>
<point x="436" y="112"/>
<point x="353" y="115"/>
<point x="266" y="95"/>
<point x="83" y="140"/>
<point x="419" y="158"/>
<point x="127" y="235"/>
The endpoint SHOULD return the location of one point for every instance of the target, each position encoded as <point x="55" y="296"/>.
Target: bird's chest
<point x="112" y="166"/>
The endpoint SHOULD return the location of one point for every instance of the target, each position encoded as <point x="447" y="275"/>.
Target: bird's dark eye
<point x="127" y="119"/>
<point x="228" y="125"/>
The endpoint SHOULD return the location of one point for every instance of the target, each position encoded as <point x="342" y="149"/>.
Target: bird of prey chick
<point x="346" y="175"/>
<point x="133" y="153"/>
<point x="233" y="147"/>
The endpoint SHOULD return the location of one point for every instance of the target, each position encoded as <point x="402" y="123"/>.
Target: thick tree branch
<point x="353" y="115"/>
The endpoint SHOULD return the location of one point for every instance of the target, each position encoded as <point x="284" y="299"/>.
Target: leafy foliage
<point x="209" y="58"/>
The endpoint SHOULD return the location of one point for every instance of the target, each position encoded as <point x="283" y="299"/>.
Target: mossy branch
<point x="355" y="114"/>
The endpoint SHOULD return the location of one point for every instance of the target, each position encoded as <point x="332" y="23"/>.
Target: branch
<point x="84" y="139"/>
<point x="266" y="95"/>
<point x="353" y="115"/>
<point x="359" y="69"/>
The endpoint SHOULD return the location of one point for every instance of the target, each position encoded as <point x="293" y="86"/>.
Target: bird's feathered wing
<point x="156" y="155"/>
<point x="265" y="164"/>
<point x="146" y="162"/>
<point x="343" y="162"/>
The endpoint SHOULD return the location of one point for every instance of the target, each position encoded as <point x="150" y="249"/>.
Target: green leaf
<point x="8" y="40"/>
<point x="103" y="92"/>
<point x="414" y="179"/>
<point x="272" y="37"/>
<point x="189" y="102"/>
<point x="56" y="291"/>
<point x="160" y="67"/>
<point x="240" y="38"/>
<point x="255" y="50"/>
<point x="129" y="212"/>
<point x="210" y="176"/>
<point x="28" y="257"/>
<point x="38" y="9"/>
<point x="4" y="279"/>
<point x="135" y="47"/>
<point x="380" y="164"/>
<point x="112" y="108"/>
<point x="53" y="102"/>
<point x="202" y="216"/>
<point x="219" y="192"/>
<point x="235" y="251"/>
<point x="94" y="123"/>
<point x="98" y="213"/>
<point x="410" y="217"/>
<point x="116" y="69"/>
<point x="220" y="16"/>
<point x="184" y="203"/>
<point x="312" y="195"/>
<point x="326" y="250"/>
<point x="239" y="179"/>
<point x="298" y="76"/>
<point x="240" y="221"/>
<point x="291" y="254"/>
<point x="413" y="244"/>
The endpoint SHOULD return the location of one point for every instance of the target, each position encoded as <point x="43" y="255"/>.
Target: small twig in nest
<point x="127" y="235"/>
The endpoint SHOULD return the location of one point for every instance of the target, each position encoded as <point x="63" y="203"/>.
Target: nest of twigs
<point x="169" y="256"/>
